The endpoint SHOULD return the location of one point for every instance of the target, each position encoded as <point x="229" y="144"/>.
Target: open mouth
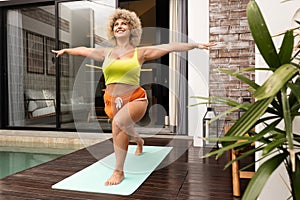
<point x="120" y="31"/>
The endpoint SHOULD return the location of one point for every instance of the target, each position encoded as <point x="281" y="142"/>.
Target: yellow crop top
<point x="122" y="70"/>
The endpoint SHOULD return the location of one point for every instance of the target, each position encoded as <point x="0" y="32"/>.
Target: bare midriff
<point x="119" y="89"/>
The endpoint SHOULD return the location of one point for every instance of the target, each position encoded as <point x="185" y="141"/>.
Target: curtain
<point x="178" y="68"/>
<point x="15" y="67"/>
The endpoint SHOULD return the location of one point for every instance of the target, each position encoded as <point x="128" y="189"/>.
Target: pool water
<point x="13" y="162"/>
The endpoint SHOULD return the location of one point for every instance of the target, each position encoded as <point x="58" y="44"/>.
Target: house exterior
<point x="35" y="86"/>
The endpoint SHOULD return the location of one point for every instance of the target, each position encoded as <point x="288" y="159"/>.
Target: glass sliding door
<point x="36" y="78"/>
<point x="154" y="15"/>
<point x="30" y="81"/>
<point x="32" y="67"/>
<point x="82" y="23"/>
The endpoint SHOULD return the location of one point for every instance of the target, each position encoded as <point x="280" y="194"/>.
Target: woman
<point x="125" y="101"/>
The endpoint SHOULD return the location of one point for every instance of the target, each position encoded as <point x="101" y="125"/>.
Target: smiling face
<point x="132" y="24"/>
<point x="121" y="28"/>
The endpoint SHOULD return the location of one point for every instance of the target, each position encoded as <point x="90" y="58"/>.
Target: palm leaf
<point x="295" y="180"/>
<point x="297" y="138"/>
<point x="261" y="35"/>
<point x="224" y="149"/>
<point x="288" y="126"/>
<point x="244" y="79"/>
<point x="295" y="88"/>
<point x="286" y="48"/>
<point x="274" y="110"/>
<point x="215" y="100"/>
<point x="243" y="106"/>
<point x="244" y="155"/>
<point x="264" y="119"/>
<point x="273" y="145"/>
<point x="266" y="131"/>
<point x="261" y="176"/>
<point x="275" y="82"/>
<point x="249" y="118"/>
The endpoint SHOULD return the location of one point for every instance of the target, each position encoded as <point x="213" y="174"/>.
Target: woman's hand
<point x="206" y="46"/>
<point x="94" y="53"/>
<point x="59" y="52"/>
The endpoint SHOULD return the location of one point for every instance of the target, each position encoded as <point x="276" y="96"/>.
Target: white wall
<point x="198" y="65"/>
<point x="279" y="17"/>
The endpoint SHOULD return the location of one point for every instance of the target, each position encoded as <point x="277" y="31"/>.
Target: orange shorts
<point x="115" y="103"/>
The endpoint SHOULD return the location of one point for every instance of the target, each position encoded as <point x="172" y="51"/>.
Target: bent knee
<point x="121" y="125"/>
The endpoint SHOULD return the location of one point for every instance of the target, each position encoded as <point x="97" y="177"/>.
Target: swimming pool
<point x="16" y="159"/>
<point x="20" y="150"/>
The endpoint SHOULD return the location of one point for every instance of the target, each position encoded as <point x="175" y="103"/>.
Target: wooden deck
<point x="188" y="178"/>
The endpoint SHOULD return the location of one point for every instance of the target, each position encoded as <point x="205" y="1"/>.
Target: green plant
<point x="277" y="101"/>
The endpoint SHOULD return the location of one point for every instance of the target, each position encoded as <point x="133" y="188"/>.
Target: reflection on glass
<point x="32" y="69"/>
<point x="82" y="23"/>
<point x="28" y="80"/>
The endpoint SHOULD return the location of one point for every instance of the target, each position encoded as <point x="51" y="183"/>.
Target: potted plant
<point x="277" y="100"/>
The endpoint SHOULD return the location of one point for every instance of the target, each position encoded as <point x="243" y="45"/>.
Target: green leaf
<point x="249" y="118"/>
<point x="273" y="145"/>
<point x="295" y="88"/>
<point x="230" y="139"/>
<point x="241" y="77"/>
<point x="264" y="119"/>
<point x="276" y="81"/>
<point x="295" y="180"/>
<point x="269" y="128"/>
<point x="197" y="104"/>
<point x="297" y="138"/>
<point x="244" y="155"/>
<point x="286" y="48"/>
<point x="261" y="176"/>
<point x="241" y="106"/>
<point x="261" y="35"/>
<point x="224" y="149"/>
<point x="296" y="58"/>
<point x="288" y="125"/>
<point x="216" y="100"/>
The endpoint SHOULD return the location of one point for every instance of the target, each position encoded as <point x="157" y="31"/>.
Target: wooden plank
<point x="184" y="176"/>
<point x="246" y="174"/>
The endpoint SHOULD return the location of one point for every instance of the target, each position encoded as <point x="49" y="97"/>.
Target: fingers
<point x="212" y="44"/>
<point x="57" y="52"/>
<point x="207" y="46"/>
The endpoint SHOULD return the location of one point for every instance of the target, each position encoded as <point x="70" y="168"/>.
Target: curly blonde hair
<point x="134" y="22"/>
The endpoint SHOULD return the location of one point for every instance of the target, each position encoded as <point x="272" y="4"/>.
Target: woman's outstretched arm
<point x="94" y="53"/>
<point x="157" y="51"/>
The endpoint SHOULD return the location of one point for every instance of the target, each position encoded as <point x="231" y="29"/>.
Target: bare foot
<point x="139" y="148"/>
<point x="115" y="178"/>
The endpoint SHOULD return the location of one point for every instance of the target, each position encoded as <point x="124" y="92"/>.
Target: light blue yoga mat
<point x="136" y="168"/>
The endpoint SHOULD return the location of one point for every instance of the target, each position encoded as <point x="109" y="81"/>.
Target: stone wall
<point x="235" y="50"/>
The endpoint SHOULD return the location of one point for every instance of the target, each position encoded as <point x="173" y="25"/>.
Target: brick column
<point x="235" y="50"/>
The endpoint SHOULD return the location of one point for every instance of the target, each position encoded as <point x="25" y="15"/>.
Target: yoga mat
<point x="136" y="168"/>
